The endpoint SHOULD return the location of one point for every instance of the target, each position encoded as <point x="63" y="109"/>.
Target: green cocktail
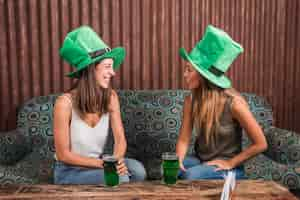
<point x="111" y="176"/>
<point x="170" y="166"/>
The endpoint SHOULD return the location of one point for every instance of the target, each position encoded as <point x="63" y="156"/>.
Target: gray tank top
<point x="228" y="140"/>
<point x="86" y="140"/>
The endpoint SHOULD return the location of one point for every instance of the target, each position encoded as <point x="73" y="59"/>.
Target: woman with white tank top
<point x="82" y="116"/>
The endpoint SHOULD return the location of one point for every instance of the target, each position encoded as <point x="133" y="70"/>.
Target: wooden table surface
<point x="245" y="190"/>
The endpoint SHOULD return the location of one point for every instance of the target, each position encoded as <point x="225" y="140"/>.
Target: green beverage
<point x="111" y="176"/>
<point x="170" y="166"/>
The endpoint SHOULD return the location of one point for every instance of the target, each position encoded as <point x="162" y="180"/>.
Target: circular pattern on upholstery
<point x="139" y="114"/>
<point x="171" y="123"/>
<point x="144" y="97"/>
<point x="45" y="107"/>
<point x="42" y="99"/>
<point x="294" y="153"/>
<point x="21" y="117"/>
<point x="51" y="146"/>
<point x="175" y="110"/>
<point x="158" y="113"/>
<point x="7" y="181"/>
<point x="34" y="130"/>
<point x="291" y="180"/>
<point x="123" y="101"/>
<point x="148" y="146"/>
<point x="45" y="119"/>
<point x="13" y="147"/>
<point x="127" y="110"/>
<point x="261" y="110"/>
<point x="167" y="146"/>
<point x="139" y="126"/>
<point x="33" y="116"/>
<point x="276" y="175"/>
<point x="49" y="132"/>
<point x="165" y="102"/>
<point x="149" y="118"/>
<point x="157" y="125"/>
<point x="38" y="141"/>
<point x="173" y="136"/>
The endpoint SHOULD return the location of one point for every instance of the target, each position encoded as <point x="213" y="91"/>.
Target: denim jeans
<point x="69" y="174"/>
<point x="197" y="170"/>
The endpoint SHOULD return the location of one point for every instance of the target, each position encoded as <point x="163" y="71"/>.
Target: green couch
<point x="151" y="120"/>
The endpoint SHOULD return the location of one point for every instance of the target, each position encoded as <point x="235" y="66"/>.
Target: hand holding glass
<point x="111" y="176"/>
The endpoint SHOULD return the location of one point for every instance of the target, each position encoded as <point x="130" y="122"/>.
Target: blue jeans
<point x="197" y="170"/>
<point x="69" y="174"/>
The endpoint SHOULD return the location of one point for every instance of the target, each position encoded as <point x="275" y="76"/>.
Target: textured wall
<point x="31" y="32"/>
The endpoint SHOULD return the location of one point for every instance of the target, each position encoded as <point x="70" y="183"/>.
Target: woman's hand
<point x="181" y="166"/>
<point x="121" y="167"/>
<point x="220" y="164"/>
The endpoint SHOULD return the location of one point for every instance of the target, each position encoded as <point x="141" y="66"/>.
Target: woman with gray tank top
<point x="216" y="111"/>
<point x="82" y="115"/>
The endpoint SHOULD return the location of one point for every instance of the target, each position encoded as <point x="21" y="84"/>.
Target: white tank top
<point x="86" y="140"/>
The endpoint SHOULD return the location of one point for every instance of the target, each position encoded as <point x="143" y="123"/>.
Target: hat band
<point x="99" y="52"/>
<point x="215" y="71"/>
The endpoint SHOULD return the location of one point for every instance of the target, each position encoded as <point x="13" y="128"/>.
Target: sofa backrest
<point x="151" y="119"/>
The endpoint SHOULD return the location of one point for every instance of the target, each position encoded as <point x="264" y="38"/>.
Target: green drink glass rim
<point x="169" y="156"/>
<point x="109" y="158"/>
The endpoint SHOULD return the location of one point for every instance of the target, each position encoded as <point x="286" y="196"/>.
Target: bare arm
<point x="185" y="130"/>
<point x="243" y="115"/>
<point x="61" y="128"/>
<point x="120" y="143"/>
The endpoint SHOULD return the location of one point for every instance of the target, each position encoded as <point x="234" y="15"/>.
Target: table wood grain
<point x="245" y="190"/>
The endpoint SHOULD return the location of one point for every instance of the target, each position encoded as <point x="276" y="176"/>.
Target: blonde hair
<point x="208" y="105"/>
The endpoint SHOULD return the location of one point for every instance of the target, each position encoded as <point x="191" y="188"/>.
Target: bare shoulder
<point x="188" y="99"/>
<point x="63" y="102"/>
<point x="239" y="101"/>
<point x="240" y="108"/>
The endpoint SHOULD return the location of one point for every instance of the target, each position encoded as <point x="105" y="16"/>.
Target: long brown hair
<point x="208" y="105"/>
<point x="89" y="97"/>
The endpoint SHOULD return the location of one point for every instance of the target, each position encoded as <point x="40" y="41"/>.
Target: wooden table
<point x="245" y="190"/>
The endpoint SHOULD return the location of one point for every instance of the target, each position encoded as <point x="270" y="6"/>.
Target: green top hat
<point x="213" y="55"/>
<point x="83" y="47"/>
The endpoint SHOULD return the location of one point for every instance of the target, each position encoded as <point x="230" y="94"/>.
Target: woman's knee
<point x="191" y="161"/>
<point x="136" y="169"/>
<point x="188" y="175"/>
<point x="202" y="172"/>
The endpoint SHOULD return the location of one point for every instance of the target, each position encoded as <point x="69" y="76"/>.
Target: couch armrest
<point x="262" y="167"/>
<point x="14" y="146"/>
<point x="283" y="146"/>
<point x="32" y="169"/>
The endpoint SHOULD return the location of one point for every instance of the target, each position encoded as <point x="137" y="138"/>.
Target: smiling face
<point x="104" y="72"/>
<point x="192" y="77"/>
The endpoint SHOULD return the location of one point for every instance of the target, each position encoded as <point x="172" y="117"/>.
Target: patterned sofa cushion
<point x="151" y="119"/>
<point x="35" y="117"/>
<point x="284" y="146"/>
<point x="14" y="145"/>
<point x="261" y="109"/>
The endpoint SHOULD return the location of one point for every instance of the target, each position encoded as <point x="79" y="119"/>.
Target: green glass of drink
<point x="170" y="165"/>
<point x="111" y="176"/>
